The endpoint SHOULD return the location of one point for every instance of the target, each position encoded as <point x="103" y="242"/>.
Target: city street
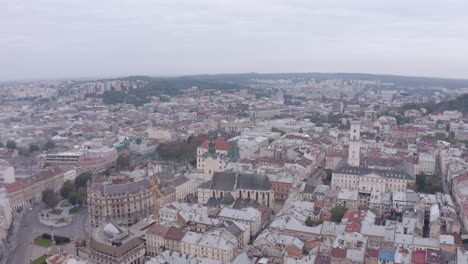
<point x="26" y="227"/>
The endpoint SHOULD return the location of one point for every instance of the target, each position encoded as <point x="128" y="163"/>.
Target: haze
<point x="83" y="38"/>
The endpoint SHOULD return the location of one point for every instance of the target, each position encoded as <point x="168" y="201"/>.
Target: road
<point x="26" y="226"/>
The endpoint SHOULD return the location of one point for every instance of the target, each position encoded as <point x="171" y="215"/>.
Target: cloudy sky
<point x="84" y="38"/>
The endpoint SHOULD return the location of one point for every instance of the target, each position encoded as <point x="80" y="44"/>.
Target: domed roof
<point x="111" y="230"/>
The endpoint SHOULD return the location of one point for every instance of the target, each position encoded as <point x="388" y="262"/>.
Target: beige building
<point x="226" y="187"/>
<point x="160" y="238"/>
<point x="29" y="190"/>
<point x="369" y="174"/>
<point x="124" y="203"/>
<point x="250" y="217"/>
<point x="211" y="157"/>
<point x="210" y="246"/>
<point x="112" y="244"/>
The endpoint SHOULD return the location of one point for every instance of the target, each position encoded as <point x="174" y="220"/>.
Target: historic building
<point x="212" y="157"/>
<point x="369" y="175"/>
<point x="160" y="238"/>
<point x="124" y="203"/>
<point x="111" y="243"/>
<point x="95" y="159"/>
<point x="226" y="187"/>
<point x="26" y="191"/>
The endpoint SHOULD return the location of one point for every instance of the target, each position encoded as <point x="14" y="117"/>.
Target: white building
<point x="7" y="172"/>
<point x="5" y="216"/>
<point x="139" y="146"/>
<point x="369" y="174"/>
<point x="426" y="164"/>
<point x="209" y="246"/>
<point x="247" y="216"/>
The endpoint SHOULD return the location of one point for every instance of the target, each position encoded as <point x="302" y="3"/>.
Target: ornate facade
<point x="124" y="204"/>
<point x="369" y="175"/>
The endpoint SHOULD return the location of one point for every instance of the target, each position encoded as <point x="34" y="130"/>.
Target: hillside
<point x="459" y="104"/>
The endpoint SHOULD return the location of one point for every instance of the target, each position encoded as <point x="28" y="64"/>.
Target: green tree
<point x="33" y="147"/>
<point x="67" y="188"/>
<point x="328" y="177"/>
<point x="82" y="179"/>
<point x="50" y="198"/>
<point x="73" y="198"/>
<point x="310" y="222"/>
<point x="82" y="195"/>
<point x="337" y="213"/>
<point x="123" y="162"/>
<point x="11" y="144"/>
<point x="49" y="145"/>
<point x="440" y="136"/>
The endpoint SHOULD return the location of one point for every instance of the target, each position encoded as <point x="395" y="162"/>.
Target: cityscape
<point x="268" y="169"/>
<point x="233" y="132"/>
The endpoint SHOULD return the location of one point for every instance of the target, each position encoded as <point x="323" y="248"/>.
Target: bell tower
<point x="354" y="144"/>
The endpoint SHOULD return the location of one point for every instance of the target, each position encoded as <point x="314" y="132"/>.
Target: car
<point x="19" y="209"/>
<point x="30" y="209"/>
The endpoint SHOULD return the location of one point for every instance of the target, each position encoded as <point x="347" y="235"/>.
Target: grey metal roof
<point x="223" y="181"/>
<point x="395" y="169"/>
<point x="229" y="181"/>
<point x="131" y="187"/>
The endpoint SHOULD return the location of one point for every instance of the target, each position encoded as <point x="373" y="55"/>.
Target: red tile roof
<point x="158" y="230"/>
<point x="338" y="253"/>
<point x="418" y="257"/>
<point x="219" y="144"/>
<point x="372" y="253"/>
<point x="174" y="233"/>
<point x="13" y="187"/>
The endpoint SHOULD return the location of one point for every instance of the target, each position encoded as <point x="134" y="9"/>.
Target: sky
<point x="42" y="39"/>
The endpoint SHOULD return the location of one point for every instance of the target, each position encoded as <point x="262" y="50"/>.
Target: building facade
<point x="124" y="204"/>
<point x="112" y="244"/>
<point x="229" y="186"/>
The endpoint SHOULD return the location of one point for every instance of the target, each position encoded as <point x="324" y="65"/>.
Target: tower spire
<point x="212" y="146"/>
<point x="354" y="144"/>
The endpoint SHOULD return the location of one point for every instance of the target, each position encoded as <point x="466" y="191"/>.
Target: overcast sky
<point x="84" y="38"/>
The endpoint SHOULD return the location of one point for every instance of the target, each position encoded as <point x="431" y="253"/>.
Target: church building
<point x="227" y="187"/>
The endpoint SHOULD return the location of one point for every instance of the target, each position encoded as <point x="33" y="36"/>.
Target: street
<point x="26" y="226"/>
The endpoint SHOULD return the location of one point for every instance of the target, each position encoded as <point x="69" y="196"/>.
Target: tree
<point x="310" y="222"/>
<point x="49" y="145"/>
<point x="11" y="144"/>
<point x="123" y="162"/>
<point x="328" y="177"/>
<point x="82" y="180"/>
<point x="82" y="195"/>
<point x="33" y="147"/>
<point x="337" y="213"/>
<point x="107" y="172"/>
<point x="1" y="145"/>
<point x="440" y="136"/>
<point x="73" y="198"/>
<point x="67" y="188"/>
<point x="50" y="198"/>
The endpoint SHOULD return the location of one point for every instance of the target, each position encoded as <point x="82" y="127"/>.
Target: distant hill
<point x="161" y="86"/>
<point x="460" y="104"/>
<point x="399" y="81"/>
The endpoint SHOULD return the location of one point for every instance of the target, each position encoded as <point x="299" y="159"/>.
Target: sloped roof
<point x="219" y="144"/>
<point x="229" y="181"/>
